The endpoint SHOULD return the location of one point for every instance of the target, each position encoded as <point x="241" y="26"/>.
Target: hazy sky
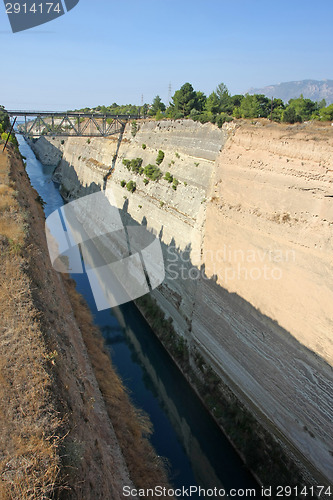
<point x="106" y="51"/>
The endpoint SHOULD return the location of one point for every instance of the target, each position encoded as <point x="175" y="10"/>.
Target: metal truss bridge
<point x="64" y="124"/>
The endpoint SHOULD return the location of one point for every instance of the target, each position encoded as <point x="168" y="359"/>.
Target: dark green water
<point x="184" y="433"/>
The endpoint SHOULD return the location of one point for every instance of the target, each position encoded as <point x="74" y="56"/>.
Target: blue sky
<point x="106" y="51"/>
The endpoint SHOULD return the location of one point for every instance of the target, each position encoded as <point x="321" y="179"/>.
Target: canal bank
<point x="57" y="439"/>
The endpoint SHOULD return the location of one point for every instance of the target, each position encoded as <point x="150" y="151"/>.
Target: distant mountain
<point x="316" y="90"/>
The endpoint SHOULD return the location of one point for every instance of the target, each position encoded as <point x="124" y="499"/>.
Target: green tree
<point x="277" y="110"/>
<point x="289" y="115"/>
<point x="153" y="172"/>
<point x="4" y="118"/>
<point x="264" y="104"/>
<point x="304" y="108"/>
<point x="135" y="165"/>
<point x="326" y="114"/>
<point x="156" y="106"/>
<point x="160" y="157"/>
<point x="249" y="107"/>
<point x="213" y="103"/>
<point x="168" y="177"/>
<point x="144" y="110"/>
<point x="131" y="186"/>
<point x="184" y="100"/>
<point x="159" y="115"/>
<point x="236" y="100"/>
<point x="223" y="95"/>
<point x="201" y="101"/>
<point x="322" y="104"/>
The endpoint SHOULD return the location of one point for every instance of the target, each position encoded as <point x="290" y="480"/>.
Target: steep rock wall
<point x="48" y="150"/>
<point x="268" y="242"/>
<point x="247" y="240"/>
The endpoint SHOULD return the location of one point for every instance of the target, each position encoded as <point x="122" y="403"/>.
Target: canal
<point x="184" y="433"/>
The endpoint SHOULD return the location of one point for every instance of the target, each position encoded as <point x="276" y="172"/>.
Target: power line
<point x="169" y="93"/>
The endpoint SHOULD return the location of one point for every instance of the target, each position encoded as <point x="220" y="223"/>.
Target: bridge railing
<point x="57" y="123"/>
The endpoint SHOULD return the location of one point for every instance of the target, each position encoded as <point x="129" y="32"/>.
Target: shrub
<point x="134" y="128"/>
<point x="160" y="157"/>
<point x="135" y="165"/>
<point x="168" y="177"/>
<point x="145" y="181"/>
<point x="144" y="146"/>
<point x="127" y="163"/>
<point x="12" y="138"/>
<point x="223" y="118"/>
<point x="88" y="141"/>
<point x="290" y="116"/>
<point x="123" y="183"/>
<point x="175" y="184"/>
<point x="326" y="114"/>
<point x="131" y="186"/>
<point x="153" y="172"/>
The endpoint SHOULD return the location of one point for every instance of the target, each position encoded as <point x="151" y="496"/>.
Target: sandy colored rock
<point x="247" y="241"/>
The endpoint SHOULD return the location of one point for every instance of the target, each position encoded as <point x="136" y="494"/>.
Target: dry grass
<point x="131" y="426"/>
<point x="31" y="466"/>
<point x="29" y="462"/>
<point x="6" y="197"/>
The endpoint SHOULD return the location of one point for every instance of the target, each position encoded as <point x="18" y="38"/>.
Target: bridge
<point x="64" y="124"/>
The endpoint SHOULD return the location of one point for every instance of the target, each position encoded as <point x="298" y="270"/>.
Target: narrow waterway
<point x="196" y="450"/>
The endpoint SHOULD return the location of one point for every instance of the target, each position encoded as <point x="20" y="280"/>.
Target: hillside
<point x="316" y="90"/>
<point x="68" y="429"/>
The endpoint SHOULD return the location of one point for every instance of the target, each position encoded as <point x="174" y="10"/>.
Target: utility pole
<point x="11" y="130"/>
<point x="169" y="93"/>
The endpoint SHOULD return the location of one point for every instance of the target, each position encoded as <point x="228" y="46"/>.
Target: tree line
<point x="220" y="107"/>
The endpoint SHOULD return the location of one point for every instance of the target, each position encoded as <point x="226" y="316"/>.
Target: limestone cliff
<point x="247" y="241"/>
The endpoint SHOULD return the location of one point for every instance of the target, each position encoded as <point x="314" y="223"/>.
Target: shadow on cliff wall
<point x="52" y="151"/>
<point x="79" y="190"/>
<point x="297" y="379"/>
<point x="239" y="305"/>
